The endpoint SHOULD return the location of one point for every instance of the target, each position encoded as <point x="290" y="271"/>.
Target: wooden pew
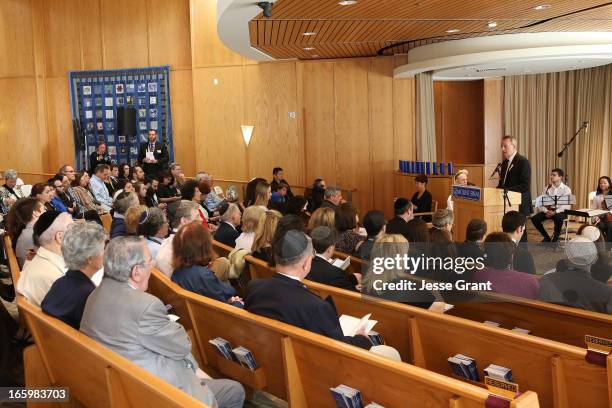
<point x="107" y="220"/>
<point x="300" y="366"/>
<point x="557" y="372"/>
<point x="222" y="249"/>
<point x="95" y="375"/>
<point x="12" y="260"/>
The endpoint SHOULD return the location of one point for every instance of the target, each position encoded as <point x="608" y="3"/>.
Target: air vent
<point x="490" y="69"/>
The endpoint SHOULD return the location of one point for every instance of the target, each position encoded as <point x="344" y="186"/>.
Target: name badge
<point x="159" y="151"/>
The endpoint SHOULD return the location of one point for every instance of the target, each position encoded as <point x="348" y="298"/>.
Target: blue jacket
<point x="201" y="280"/>
<point x="118" y="227"/>
<point x="59" y="205"/>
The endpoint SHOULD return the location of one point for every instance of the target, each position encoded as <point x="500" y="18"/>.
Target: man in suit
<point x="515" y="175"/>
<point x="138" y="327"/>
<point x="332" y="198"/>
<point x="513" y="224"/>
<point x="153" y="155"/>
<point x="229" y="227"/>
<point x="403" y="209"/>
<point x="285" y="298"/>
<point x="322" y="270"/>
<point x="277" y="178"/>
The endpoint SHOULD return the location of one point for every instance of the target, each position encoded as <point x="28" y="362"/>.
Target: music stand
<point x="608" y="201"/>
<point x="556" y="201"/>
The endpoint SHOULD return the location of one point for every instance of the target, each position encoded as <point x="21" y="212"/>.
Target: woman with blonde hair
<point x="250" y="221"/>
<point x="263" y="192"/>
<point x="322" y="217"/>
<point x="264" y="235"/>
<point x="376" y="281"/>
<point x="132" y="218"/>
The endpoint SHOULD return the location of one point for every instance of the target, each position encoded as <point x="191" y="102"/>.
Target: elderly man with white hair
<point x="83" y="251"/>
<point x="10" y="192"/>
<point x="138" y="327"/>
<point x="229" y="227"/>
<point x="48" y="265"/>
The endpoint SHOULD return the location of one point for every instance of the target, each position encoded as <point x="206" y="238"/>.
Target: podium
<point x="480" y="202"/>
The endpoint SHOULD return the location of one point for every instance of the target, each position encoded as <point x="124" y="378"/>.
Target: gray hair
<point x="183" y="210"/>
<point x="60" y="224"/>
<point x="442" y="217"/>
<point x="202" y="176"/>
<point x="121" y="255"/>
<point x="231" y="209"/>
<point x="174" y="165"/>
<point x="10" y="174"/>
<point x="331" y="191"/>
<point x="124" y="203"/>
<point x="81" y="242"/>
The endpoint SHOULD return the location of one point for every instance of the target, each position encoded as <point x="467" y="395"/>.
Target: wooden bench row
<point x="300" y="366"/>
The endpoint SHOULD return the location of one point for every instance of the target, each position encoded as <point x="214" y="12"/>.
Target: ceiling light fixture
<point x="347" y="2"/>
<point x="542" y="7"/>
<point x="492" y="24"/>
<point x="307" y="33"/>
<point x="308" y="48"/>
<point x="453" y="30"/>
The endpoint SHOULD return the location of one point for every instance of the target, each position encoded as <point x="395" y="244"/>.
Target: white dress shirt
<point x="100" y="192"/>
<point x="559" y="191"/>
<point x="39" y="274"/>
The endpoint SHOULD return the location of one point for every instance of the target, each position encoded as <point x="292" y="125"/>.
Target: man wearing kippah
<point x="403" y="209"/>
<point x="285" y="298"/>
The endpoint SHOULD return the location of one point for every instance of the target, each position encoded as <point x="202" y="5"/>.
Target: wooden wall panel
<point x="270" y="94"/>
<point x="16" y="38"/>
<point x="493" y="119"/>
<point x="181" y="97"/>
<point x="380" y="84"/>
<point x="404" y="140"/>
<point x="353" y="167"/>
<point x="218" y="114"/>
<point x="319" y="121"/>
<point x="169" y="33"/>
<point x="124" y="33"/>
<point x="60" y="148"/>
<point x="62" y="38"/>
<point x="90" y="23"/>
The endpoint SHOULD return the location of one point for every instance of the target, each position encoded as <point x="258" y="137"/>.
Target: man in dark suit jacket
<point x="153" y="155"/>
<point x="67" y="296"/>
<point x="228" y="229"/>
<point x="513" y="224"/>
<point x="515" y="175"/>
<point x="285" y="298"/>
<point x="322" y="270"/>
<point x="403" y="210"/>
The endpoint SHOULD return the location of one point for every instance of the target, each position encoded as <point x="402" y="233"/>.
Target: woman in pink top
<point x="499" y="250"/>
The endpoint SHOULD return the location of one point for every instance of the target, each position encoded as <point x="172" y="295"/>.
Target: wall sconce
<point x="247" y="133"/>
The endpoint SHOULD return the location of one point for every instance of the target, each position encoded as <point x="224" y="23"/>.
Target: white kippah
<point x="581" y="251"/>
<point x="591" y="232"/>
<point x="387" y="352"/>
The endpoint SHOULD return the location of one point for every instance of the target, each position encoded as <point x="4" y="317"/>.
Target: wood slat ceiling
<point x="388" y="27"/>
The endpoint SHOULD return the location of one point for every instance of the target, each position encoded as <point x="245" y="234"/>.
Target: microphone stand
<point x="568" y="144"/>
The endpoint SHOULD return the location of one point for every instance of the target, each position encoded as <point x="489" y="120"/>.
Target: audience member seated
<point x="571" y="283"/>
<point x="137" y="175"/>
<point x="249" y="191"/>
<point x="441" y="244"/>
<point x="285" y="298"/>
<point x="66" y="194"/>
<point x="192" y="256"/>
<point x="404" y="212"/>
<point x="322" y="270"/>
<point x="151" y="198"/>
<point x="84" y="197"/>
<point x="499" y="250"/>
<point x="122" y="203"/>
<point x="58" y="188"/>
<point x="604" y="223"/>
<point x="186" y="212"/>
<point x="250" y="221"/>
<point x="297" y="205"/>
<point x="112" y="183"/>
<point x="48" y="265"/>
<point x="286" y="223"/>
<point x="213" y="199"/>
<point x="322" y="217"/>
<point x="83" y="253"/>
<point x="141" y="192"/>
<point x="422" y="199"/>
<point x="98" y="188"/>
<point x="153" y="227"/>
<point x="332" y="198"/>
<point x="168" y="190"/>
<point x="474" y="237"/>
<point x="317" y="195"/>
<point x="99" y="156"/>
<point x="132" y="219"/>
<point x="262" y="241"/>
<point x="147" y="337"/>
<point x="124" y="174"/>
<point x="389" y="246"/>
<point x="418" y="238"/>
<point x="229" y="227"/>
<point x="278" y="180"/>
<point x="556" y="188"/>
<point x="461" y="179"/>
<point x="513" y="224"/>
<point x="20" y="226"/>
<point x="127" y="187"/>
<point x="375" y="225"/>
<point x="262" y="194"/>
<point x="177" y="176"/>
<point x="10" y="192"/>
<point x="44" y="193"/>
<point x="280" y="195"/>
<point x="190" y="191"/>
<point x="601" y="270"/>
<point x="349" y="240"/>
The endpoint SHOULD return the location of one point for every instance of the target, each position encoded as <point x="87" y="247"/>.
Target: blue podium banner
<point x="467" y="193"/>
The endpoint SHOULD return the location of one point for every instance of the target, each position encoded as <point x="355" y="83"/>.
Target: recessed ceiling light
<point x="453" y="30"/>
<point x="347" y="2"/>
<point x="542" y="7"/>
<point x="309" y="48"/>
<point x="309" y="33"/>
<point x="492" y="24"/>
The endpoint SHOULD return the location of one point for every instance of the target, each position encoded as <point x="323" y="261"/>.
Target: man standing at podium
<point x="515" y="175"/>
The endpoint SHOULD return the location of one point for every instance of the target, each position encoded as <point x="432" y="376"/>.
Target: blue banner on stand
<point x="95" y="97"/>
<point x="467" y="193"/>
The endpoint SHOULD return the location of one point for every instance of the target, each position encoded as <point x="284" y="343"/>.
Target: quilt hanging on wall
<point x="98" y="96"/>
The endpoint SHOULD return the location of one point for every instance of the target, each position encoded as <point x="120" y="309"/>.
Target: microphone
<point x="585" y="125"/>
<point x="497" y="169"/>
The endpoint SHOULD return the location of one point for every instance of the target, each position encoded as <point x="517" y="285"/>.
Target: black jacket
<point x="95" y="159"/>
<point x="519" y="180"/>
<point x="160" y="153"/>
<point x="522" y="260"/>
<point x="423" y="204"/>
<point x="227" y="235"/>
<point x="324" y="272"/>
<point x="288" y="300"/>
<point x="397" y="225"/>
<point x="67" y="296"/>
